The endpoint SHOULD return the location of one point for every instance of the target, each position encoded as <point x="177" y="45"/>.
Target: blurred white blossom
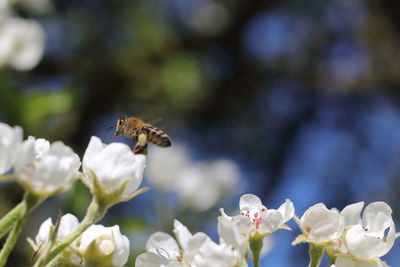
<point x="37" y="6"/>
<point x="10" y="140"/>
<point x="113" y="165"/>
<point x="46" y="169"/>
<point x="3" y="6"/>
<point x="165" y="163"/>
<point x="104" y="246"/>
<point x="171" y="169"/>
<point x="21" y="43"/>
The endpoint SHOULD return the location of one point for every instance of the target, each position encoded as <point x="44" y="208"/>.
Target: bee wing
<point x="153" y="121"/>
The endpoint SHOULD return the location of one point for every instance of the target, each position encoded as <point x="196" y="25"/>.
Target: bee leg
<point x="138" y="149"/>
<point x="141" y="144"/>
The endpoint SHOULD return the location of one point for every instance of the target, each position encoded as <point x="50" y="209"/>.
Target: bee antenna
<point x="107" y="129"/>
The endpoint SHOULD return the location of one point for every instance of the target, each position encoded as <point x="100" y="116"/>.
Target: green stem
<point x="6" y="177"/>
<point x="332" y="257"/>
<point x="29" y="203"/>
<point x="256" y="243"/>
<point x="12" y="239"/>
<point x="316" y="253"/>
<point x="95" y="212"/>
<point x="7" y="221"/>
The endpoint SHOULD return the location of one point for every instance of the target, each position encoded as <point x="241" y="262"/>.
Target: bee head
<point x="120" y="126"/>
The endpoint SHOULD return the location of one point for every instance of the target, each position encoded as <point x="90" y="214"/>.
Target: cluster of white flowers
<point x="113" y="174"/>
<point x="21" y="40"/>
<point x="347" y="235"/>
<point x="189" y="250"/>
<point x="236" y="234"/>
<point x="97" y="246"/>
<point x="41" y="167"/>
<point x="46" y="169"/>
<point x="172" y="170"/>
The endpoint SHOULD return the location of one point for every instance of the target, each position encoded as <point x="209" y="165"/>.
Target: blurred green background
<point x="302" y="96"/>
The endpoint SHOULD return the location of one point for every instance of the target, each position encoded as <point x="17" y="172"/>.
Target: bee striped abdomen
<point x="156" y="136"/>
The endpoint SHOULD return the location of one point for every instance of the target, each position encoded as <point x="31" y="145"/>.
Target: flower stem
<point x="7" y="221"/>
<point x="256" y="243"/>
<point x="332" y="257"/>
<point x="95" y="212"/>
<point x="316" y="253"/>
<point x="18" y="216"/>
<point x="12" y="239"/>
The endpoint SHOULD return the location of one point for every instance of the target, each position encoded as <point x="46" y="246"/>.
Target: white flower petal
<point x="68" y="224"/>
<point x="377" y="217"/>
<point x="230" y="232"/>
<point x="90" y="234"/>
<point x="287" y="210"/>
<point x="150" y="259"/>
<point x="250" y="203"/>
<point x="271" y="221"/>
<point x="121" y="254"/>
<point x="43" y="233"/>
<point x="110" y="241"/>
<point x="344" y="262"/>
<point x="363" y="245"/>
<point x="195" y="243"/>
<point x="212" y="254"/>
<point x="182" y="234"/>
<point x="164" y="242"/>
<point x="321" y="224"/>
<point x="352" y="213"/>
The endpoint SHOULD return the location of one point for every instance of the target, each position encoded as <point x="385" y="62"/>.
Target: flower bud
<point x="104" y="246"/>
<point x="67" y="224"/>
<point x="113" y="167"/>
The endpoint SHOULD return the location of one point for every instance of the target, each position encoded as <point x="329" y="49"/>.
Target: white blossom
<point x="113" y="165"/>
<point x="189" y="250"/>
<point x="46" y="169"/>
<point x="68" y="223"/>
<point x="21" y="43"/>
<point x="10" y="140"/>
<point x="254" y="221"/>
<point x="373" y="235"/>
<point x="322" y="225"/>
<point x="262" y="220"/>
<point x="98" y="243"/>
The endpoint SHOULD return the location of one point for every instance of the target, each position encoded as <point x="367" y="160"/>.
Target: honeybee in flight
<point x="138" y="130"/>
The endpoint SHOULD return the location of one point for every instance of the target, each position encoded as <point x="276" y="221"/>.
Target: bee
<point x="140" y="132"/>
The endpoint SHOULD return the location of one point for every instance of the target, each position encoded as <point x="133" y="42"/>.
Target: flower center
<point x="256" y="219"/>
